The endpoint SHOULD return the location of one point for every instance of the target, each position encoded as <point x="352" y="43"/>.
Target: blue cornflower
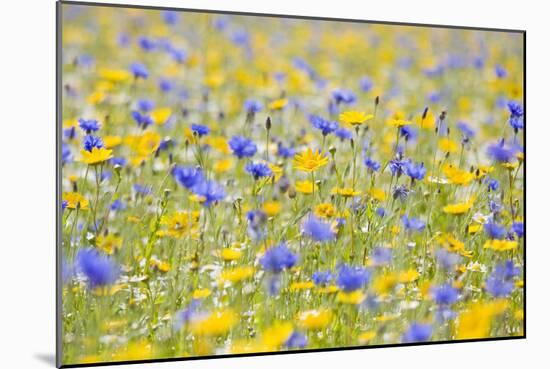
<point x="142" y="189"/>
<point x="518" y="229"/>
<point x="415" y="171"/>
<point x="381" y="212"/>
<point x="170" y="17"/>
<point x="242" y="146"/>
<point x="465" y="129"/>
<point x="183" y="316"/>
<point x="494" y="230"/>
<point x="278" y="258"/>
<point x="119" y="160"/>
<point x="381" y="255"/>
<point x="506" y="270"/>
<point x="397" y="167"/>
<point x="372" y="164"/>
<point x="142" y="120"/>
<point x="66" y="155"/>
<point x="516" y="110"/>
<point x="417" y="332"/>
<point x="256" y="225"/>
<point x="366" y="84"/>
<point x="408" y="132"/>
<point x="296" y="340"/>
<point x="317" y="230"/>
<point x="258" y="170"/>
<point x="492" y="184"/>
<point x="240" y="37"/>
<point x="118" y="204"/>
<point x="343" y="133"/>
<point x="285" y="152"/>
<point x="70" y="133"/>
<point x="413" y="224"/>
<point x="210" y="191"/>
<point x="146" y="43"/>
<point x="325" y="126"/>
<point x="352" y="278"/>
<point x="100" y="270"/>
<point x="89" y="125"/>
<point x="187" y="176"/>
<point x="123" y="39"/>
<point x="90" y="142"/>
<point x="498" y="287"/>
<point x="145" y="105"/>
<point x="501" y="152"/>
<point x="139" y="70"/>
<point x="165" y="85"/>
<point x="447" y="260"/>
<point x="322" y="278"/>
<point x="400" y="192"/>
<point x="342" y="96"/>
<point x="179" y="55"/>
<point x="200" y="130"/>
<point x="253" y="106"/>
<point x="500" y="71"/>
<point x="444" y="294"/>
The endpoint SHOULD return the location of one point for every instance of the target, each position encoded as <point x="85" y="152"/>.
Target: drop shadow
<point x="46" y="358"/>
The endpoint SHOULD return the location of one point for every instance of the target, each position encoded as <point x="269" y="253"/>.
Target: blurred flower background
<point x="240" y="184"/>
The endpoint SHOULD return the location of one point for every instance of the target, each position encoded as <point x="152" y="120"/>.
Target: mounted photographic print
<point x="238" y="184"/>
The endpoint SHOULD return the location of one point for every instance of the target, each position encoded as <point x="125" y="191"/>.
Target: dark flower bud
<point x="268" y="123"/>
<point x="376" y="100"/>
<point x="425" y="113"/>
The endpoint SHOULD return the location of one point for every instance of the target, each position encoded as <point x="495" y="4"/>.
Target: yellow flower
<point x="95" y="97"/>
<point x="408" y="276"/>
<point x="475" y="322"/>
<point x="355" y="118"/>
<point x="179" y="224"/>
<point x="456" y="175"/>
<point x="305" y="187"/>
<point x="223" y="165"/>
<point x="325" y="210"/>
<point x="140" y="350"/>
<point x="214" y="324"/>
<point x="474" y="228"/>
<point x="314" y="319"/>
<point x="459" y="208"/>
<point x="237" y="274"/>
<point x="277" y="334"/>
<point x="500" y="245"/>
<point x="328" y="289"/>
<point x="353" y="298"/>
<point x="450" y="243"/>
<point x="115" y="75"/>
<point x="278" y="104"/>
<point x="75" y="200"/>
<point x="378" y="194"/>
<point x="96" y="156"/>
<point x="112" y="141"/>
<point x="161" y="115"/>
<point x="272" y="208"/>
<point x="231" y="254"/>
<point x="426" y="123"/>
<point x="201" y="293"/>
<point x="247" y="347"/>
<point x="218" y="143"/>
<point x="447" y="145"/>
<point x="398" y="123"/>
<point x="367" y="336"/>
<point x="385" y="283"/>
<point x="161" y="266"/>
<point x="309" y="161"/>
<point x="214" y="80"/>
<point x="109" y="243"/>
<point x="345" y="191"/>
<point x="299" y="286"/>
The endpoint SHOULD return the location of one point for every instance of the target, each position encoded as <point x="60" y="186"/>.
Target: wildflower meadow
<point x="240" y="184"/>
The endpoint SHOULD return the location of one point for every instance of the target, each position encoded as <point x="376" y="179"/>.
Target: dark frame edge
<point x="58" y="235"/>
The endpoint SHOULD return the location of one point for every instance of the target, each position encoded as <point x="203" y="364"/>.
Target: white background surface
<point x="27" y="182"/>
